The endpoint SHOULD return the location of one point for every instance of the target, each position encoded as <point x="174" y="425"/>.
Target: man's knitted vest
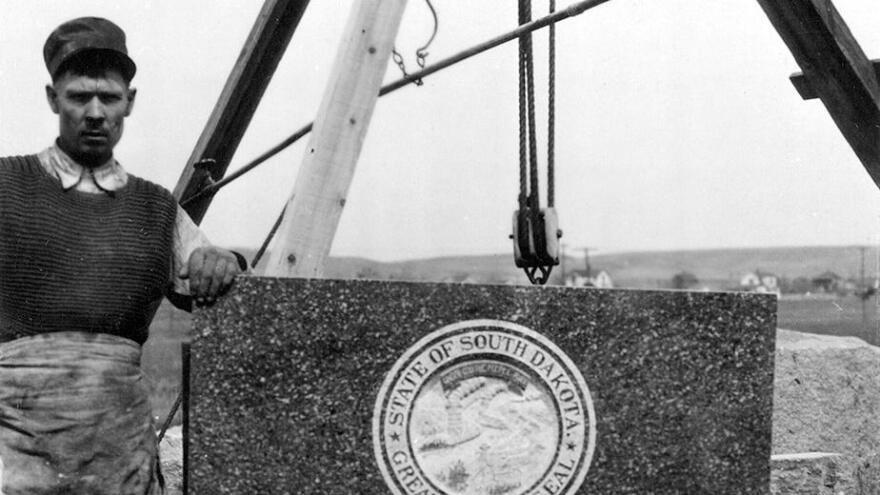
<point x="74" y="261"/>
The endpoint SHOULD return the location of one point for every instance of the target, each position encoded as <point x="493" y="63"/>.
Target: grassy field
<point x="841" y="316"/>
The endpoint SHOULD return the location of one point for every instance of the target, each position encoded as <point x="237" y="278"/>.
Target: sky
<point x="677" y="127"/>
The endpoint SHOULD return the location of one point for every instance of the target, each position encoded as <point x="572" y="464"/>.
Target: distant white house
<point x="759" y="281"/>
<point x="581" y="278"/>
<point x="603" y="280"/>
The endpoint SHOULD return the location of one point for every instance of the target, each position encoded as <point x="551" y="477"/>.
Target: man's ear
<point x="132" y="92"/>
<point x="52" y="98"/>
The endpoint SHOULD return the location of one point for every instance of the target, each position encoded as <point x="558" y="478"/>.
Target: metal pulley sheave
<point x="536" y="231"/>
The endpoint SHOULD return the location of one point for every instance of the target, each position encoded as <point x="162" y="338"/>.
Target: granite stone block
<point x="286" y="373"/>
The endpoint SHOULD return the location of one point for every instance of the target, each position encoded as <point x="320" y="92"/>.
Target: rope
<point x="523" y="124"/>
<point x="533" y="135"/>
<point x="534" y="192"/>
<point x="551" y="111"/>
<point x="531" y="237"/>
<point x="527" y="103"/>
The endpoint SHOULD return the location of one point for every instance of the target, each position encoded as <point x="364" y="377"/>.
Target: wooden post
<point x="313" y="211"/>
<point x="238" y="101"/>
<point x="808" y="92"/>
<point x="835" y="69"/>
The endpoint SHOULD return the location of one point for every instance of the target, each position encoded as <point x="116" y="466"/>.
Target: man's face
<point x="91" y="111"/>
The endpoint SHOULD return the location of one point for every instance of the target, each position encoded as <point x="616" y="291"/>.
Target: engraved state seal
<point x="484" y="407"/>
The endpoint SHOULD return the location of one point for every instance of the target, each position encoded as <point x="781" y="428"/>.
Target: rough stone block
<point x="171" y="459"/>
<point x="812" y="473"/>
<point x="296" y="385"/>
<point x="827" y="399"/>
<point x="827" y="395"/>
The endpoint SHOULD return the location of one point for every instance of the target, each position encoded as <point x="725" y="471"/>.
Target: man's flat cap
<point x="88" y="34"/>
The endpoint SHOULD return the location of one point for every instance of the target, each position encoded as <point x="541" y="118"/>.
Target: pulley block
<point x="536" y="237"/>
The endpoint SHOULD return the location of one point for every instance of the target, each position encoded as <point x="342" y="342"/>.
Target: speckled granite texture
<point x="285" y="375"/>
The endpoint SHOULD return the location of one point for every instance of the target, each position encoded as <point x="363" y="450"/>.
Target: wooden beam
<point x="313" y="211"/>
<point x="836" y="69"/>
<point x="806" y="90"/>
<point x="262" y="51"/>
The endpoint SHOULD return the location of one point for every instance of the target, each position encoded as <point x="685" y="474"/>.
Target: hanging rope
<point x="535" y="229"/>
<point x="551" y="110"/>
<point x="527" y="72"/>
<point x="523" y="129"/>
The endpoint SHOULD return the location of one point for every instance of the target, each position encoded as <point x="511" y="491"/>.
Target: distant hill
<point x="731" y="264"/>
<point x="635" y="269"/>
<point x="484" y="269"/>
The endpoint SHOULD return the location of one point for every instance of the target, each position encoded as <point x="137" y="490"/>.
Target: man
<point x="86" y="253"/>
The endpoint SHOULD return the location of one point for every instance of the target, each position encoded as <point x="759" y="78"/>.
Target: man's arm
<point x="200" y="270"/>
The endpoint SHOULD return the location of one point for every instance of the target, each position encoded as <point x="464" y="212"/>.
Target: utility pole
<point x="587" y="262"/>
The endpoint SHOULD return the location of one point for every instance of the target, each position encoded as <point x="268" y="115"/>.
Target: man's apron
<point x="75" y="417"/>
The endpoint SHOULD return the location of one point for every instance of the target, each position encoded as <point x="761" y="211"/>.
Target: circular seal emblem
<point x="484" y="407"/>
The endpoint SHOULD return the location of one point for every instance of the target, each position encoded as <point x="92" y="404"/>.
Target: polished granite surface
<point x="285" y="375"/>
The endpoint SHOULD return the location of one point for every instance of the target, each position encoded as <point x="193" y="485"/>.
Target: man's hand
<point x="210" y="271"/>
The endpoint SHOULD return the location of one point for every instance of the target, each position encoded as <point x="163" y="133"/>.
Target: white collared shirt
<point x="111" y="177"/>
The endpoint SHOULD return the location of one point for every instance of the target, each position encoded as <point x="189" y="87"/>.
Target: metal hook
<point x="545" y="274"/>
<point x="422" y="52"/>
